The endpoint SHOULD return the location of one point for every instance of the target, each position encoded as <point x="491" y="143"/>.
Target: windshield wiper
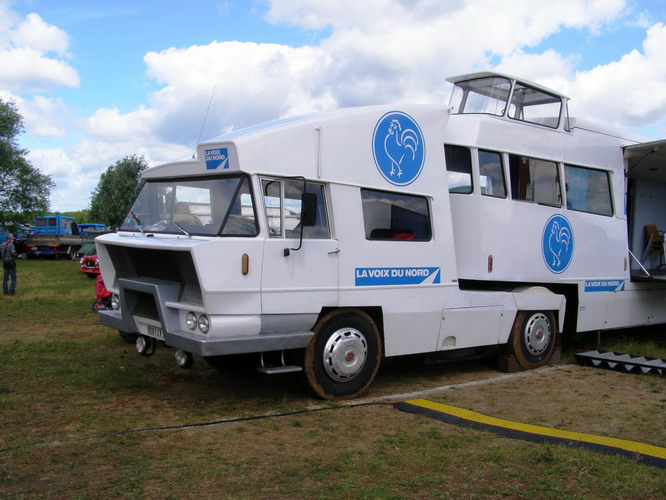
<point x="138" y="221"/>
<point x="179" y="227"/>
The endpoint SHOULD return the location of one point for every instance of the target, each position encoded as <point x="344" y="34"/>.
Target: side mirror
<point x="308" y="209"/>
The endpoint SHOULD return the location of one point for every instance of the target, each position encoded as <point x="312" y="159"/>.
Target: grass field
<point x="83" y="416"/>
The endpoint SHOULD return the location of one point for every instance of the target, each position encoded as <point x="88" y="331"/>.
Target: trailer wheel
<point x="343" y="357"/>
<point x="532" y="339"/>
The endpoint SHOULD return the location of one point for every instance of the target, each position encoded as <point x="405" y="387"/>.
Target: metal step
<point x="275" y="369"/>
<point x="625" y="362"/>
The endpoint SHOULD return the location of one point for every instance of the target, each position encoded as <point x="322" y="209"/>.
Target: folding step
<point x="282" y="367"/>
<point x="627" y="362"/>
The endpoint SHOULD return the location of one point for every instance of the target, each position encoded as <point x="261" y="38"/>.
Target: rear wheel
<point x="343" y="357"/>
<point x="532" y="339"/>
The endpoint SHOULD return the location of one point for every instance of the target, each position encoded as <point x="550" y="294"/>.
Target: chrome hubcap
<point x="537" y="334"/>
<point x="345" y="354"/>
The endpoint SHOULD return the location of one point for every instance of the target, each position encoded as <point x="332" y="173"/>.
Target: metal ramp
<point x="623" y="362"/>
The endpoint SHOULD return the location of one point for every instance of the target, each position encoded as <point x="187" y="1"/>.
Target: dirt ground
<point x="298" y="445"/>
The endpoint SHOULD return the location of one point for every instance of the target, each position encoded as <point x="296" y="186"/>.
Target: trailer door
<point x="297" y="280"/>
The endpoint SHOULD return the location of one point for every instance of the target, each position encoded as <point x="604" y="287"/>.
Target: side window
<point x="391" y="216"/>
<point x="588" y="190"/>
<point x="459" y="168"/>
<point x="282" y="200"/>
<point x="272" y="191"/>
<point x="536" y="181"/>
<point x="492" y="174"/>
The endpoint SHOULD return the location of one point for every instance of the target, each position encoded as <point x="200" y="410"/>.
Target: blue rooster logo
<point x="398" y="148"/>
<point x="557" y="244"/>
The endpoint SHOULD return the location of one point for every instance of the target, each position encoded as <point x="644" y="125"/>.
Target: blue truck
<point x="60" y="236"/>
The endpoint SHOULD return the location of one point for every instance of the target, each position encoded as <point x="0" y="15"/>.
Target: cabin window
<point x="534" y="180"/>
<point x="459" y="169"/>
<point x="392" y="216"/>
<point x="588" y="190"/>
<point x="481" y="95"/>
<point x="491" y="169"/>
<point x="535" y="106"/>
<point x="282" y="200"/>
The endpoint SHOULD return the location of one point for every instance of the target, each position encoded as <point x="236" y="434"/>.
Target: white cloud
<point x="374" y="51"/>
<point x="34" y="33"/>
<point x="26" y="48"/>
<point x="630" y="92"/>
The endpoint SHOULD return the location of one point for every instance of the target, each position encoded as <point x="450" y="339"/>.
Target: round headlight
<point x="191" y="321"/>
<point x="115" y="302"/>
<point x="204" y="324"/>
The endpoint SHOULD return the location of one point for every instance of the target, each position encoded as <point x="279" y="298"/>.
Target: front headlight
<point x="191" y="321"/>
<point x="115" y="302"/>
<point x="203" y="323"/>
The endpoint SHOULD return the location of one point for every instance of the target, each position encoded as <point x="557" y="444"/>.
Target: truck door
<point x="297" y="280"/>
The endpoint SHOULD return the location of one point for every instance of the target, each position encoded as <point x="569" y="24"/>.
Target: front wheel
<point x="532" y="339"/>
<point x="343" y="357"/>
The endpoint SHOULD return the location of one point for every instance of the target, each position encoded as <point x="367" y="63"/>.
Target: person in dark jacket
<point x="8" y="254"/>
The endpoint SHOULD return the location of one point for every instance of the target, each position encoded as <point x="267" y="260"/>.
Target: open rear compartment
<point x="646" y="209"/>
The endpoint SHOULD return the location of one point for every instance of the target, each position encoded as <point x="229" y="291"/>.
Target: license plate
<point x="155" y="332"/>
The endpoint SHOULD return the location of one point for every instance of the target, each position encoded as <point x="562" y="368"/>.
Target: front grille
<point x="156" y="265"/>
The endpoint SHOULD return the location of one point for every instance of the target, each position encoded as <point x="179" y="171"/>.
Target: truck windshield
<point x="208" y="206"/>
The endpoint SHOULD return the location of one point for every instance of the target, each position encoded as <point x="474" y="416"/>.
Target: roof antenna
<point x="204" y="122"/>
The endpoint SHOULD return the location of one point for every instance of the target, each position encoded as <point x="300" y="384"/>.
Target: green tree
<point x="24" y="190"/>
<point x="116" y="190"/>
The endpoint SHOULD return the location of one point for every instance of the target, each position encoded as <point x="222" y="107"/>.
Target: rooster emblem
<point x="559" y="240"/>
<point x="398" y="148"/>
<point x="557" y="243"/>
<point x="399" y="144"/>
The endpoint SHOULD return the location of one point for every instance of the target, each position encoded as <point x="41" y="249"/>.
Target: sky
<point x="96" y="81"/>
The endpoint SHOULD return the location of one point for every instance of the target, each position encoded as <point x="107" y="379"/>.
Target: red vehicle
<point x="90" y="266"/>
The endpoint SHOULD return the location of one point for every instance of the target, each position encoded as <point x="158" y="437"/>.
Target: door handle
<point x="337" y="250"/>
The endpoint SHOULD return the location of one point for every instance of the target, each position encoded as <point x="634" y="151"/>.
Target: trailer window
<point x="391" y="216"/>
<point x="282" y="201"/>
<point x="534" y="180"/>
<point x="491" y="169"/>
<point x="459" y="169"/>
<point x="535" y="106"/>
<point x="588" y="190"/>
<point x="482" y="95"/>
<point x="202" y="206"/>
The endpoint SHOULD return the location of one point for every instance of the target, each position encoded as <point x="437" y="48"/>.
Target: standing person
<point x="8" y="253"/>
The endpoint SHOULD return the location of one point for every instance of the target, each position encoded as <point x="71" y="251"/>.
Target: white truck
<point x="327" y="242"/>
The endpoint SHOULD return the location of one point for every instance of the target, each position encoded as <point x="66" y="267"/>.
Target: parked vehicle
<point x="59" y="236"/>
<point x="327" y="242"/>
<point x="90" y="266"/>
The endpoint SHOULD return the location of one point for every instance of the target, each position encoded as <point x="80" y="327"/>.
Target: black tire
<point x="343" y="356"/>
<point x="533" y="338"/>
<point x="130" y="338"/>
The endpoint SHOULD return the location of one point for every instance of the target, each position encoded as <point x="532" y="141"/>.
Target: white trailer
<point x="333" y="240"/>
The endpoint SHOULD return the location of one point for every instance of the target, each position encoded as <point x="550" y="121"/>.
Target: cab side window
<point x="392" y="216"/>
<point x="282" y="202"/>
